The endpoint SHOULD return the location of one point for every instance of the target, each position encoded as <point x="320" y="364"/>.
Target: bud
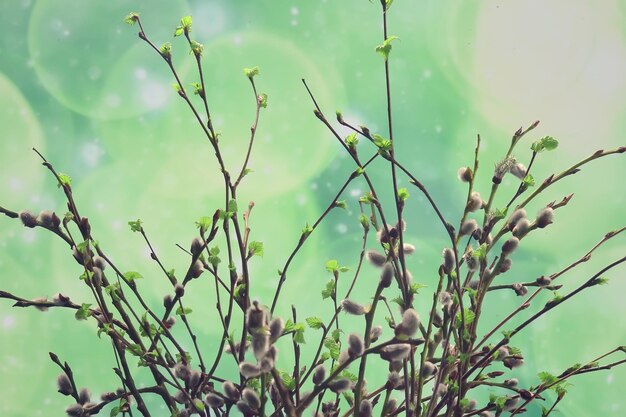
<point x="214" y="400"/>
<point x="276" y="328"/>
<point x="375" y="333"/>
<point x="255" y="316"/>
<point x="269" y="359"/>
<point x="502" y="353"/>
<point x="365" y="408"/>
<point x="28" y="219"/>
<point x="40" y="300"/>
<point x="486" y="414"/>
<point x="464" y="174"/>
<point x="108" y="396"/>
<point x="502" y="168"/>
<point x="445" y="298"/>
<point x="545" y="217"/>
<point x="408" y="249"/>
<point x="521" y="228"/>
<point x="182" y="371"/>
<point x="84" y="396"/>
<point x="543" y="281"/>
<point x="519" y="170"/>
<point x="520" y="289"/>
<point x="319" y="374"/>
<point x="77" y="255"/>
<point x="510" y="403"/>
<point x="468" y="227"/>
<point x="75" y="410"/>
<point x="99" y="262"/>
<point x="230" y="390"/>
<point x="395" y="352"/>
<point x="245" y="409"/>
<point x="355" y="345"/>
<point x="391" y="406"/>
<point x="393" y="380"/>
<point x="474" y="203"/>
<point x="513" y="362"/>
<point x="167" y="301"/>
<point x="441" y="390"/>
<point x="170" y="322"/>
<point x="505" y="265"/>
<point x="386" y="276"/>
<point x="250" y="396"/>
<point x="194" y="379"/>
<point x="344" y="357"/>
<point x="260" y="343"/>
<point x="510" y="245"/>
<point x="409" y="324"/>
<point x="375" y="258"/>
<point x="517" y="215"/>
<point x="196" y="246"/>
<point x="197" y="269"/>
<point x="48" y="219"/>
<point x="448" y="260"/>
<point x="249" y="370"/>
<point x="179" y="290"/>
<point x="395" y="366"/>
<point x="512" y="382"/>
<point x="96" y="278"/>
<point x="437" y="320"/>
<point x="351" y="307"/>
<point x="428" y="369"/>
<point x="339" y="385"/>
<point x="64" y="384"/>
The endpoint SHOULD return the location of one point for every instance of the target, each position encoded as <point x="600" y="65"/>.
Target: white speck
<point x="66" y="33"/>
<point x="94" y="73"/>
<point x="427" y="73"/>
<point x="112" y="100"/>
<point x="91" y="153"/>
<point x="140" y="74"/>
<point x="35" y="199"/>
<point x="28" y="235"/>
<point x="237" y="40"/>
<point x="314" y="186"/>
<point x="116" y="225"/>
<point x="342" y="228"/>
<point x="8" y="322"/>
<point x="295" y="11"/>
<point x="609" y="379"/>
<point x="15" y="184"/>
<point x="294" y="22"/>
<point x="153" y="95"/>
<point x="356" y="192"/>
<point x="438" y="128"/>
<point x="301" y="199"/>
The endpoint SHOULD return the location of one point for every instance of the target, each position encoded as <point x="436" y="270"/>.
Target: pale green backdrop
<point x="78" y="84"/>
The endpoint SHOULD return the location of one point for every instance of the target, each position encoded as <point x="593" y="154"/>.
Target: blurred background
<point x="77" y="84"/>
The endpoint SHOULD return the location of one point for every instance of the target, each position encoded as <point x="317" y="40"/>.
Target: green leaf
<point x="364" y="220"/>
<point x="166" y="50"/>
<point x="238" y="289"/>
<point x="415" y="287"/>
<point x="314" y="322"/>
<point x="204" y="223"/>
<point x="547" y="378"/>
<point x="251" y="72"/>
<point x="196" y="48"/>
<point x="468" y="317"/>
<point x="197" y="89"/>
<point x="306" y="230"/>
<point x="546" y="143"/>
<point x="114" y="411"/>
<point x="329" y="290"/>
<point x="179" y="31"/>
<point x="382" y="143"/>
<point x="255" y="248"/>
<point x="232" y="205"/>
<point x="64" y="180"/>
<point x="385" y="48"/>
<point x="481" y="252"/>
<point x="130" y="276"/>
<point x="131" y="18"/>
<point x="398" y="300"/>
<point x="336" y="334"/>
<point x="135" y="226"/>
<point x="83" y="312"/>
<point x="349" y="397"/>
<point x="334" y="348"/>
<point x="332" y="265"/>
<point x="403" y="194"/>
<point x="186" y="23"/>
<point x="352" y="140"/>
<point x="289" y="382"/>
<point x="113" y="290"/>
<point x="529" y="181"/>
<point x="262" y="100"/>
<point x="180" y="311"/>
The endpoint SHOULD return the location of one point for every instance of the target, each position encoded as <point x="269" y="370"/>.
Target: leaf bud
<point x="64" y="384"/>
<point x="365" y="408"/>
<point x="182" y="371"/>
<point x="464" y="174"/>
<point x="84" y="395"/>
<point x="319" y="374"/>
<point x="251" y="397"/>
<point x="409" y="324"/>
<point x="543" y="281"/>
<point x="376" y="258"/>
<point x="196" y="246"/>
<point x="230" y="390"/>
<point x="545" y="217"/>
<point x="510" y="246"/>
<point x="197" y="269"/>
<point x="521" y="228"/>
<point x="28" y="219"/>
<point x="375" y="333"/>
<point x="448" y="260"/>
<point x="386" y="276"/>
<point x="519" y="289"/>
<point x="249" y="370"/>
<point x="468" y="227"/>
<point x="351" y="307"/>
<point x="179" y="290"/>
<point x="276" y="328"/>
<point x="339" y="385"/>
<point x="214" y="400"/>
<point x="356" y="346"/>
<point x="474" y="203"/>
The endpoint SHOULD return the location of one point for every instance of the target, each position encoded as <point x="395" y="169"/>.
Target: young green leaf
<point x="255" y="248"/>
<point x="131" y="18"/>
<point x="385" y="48"/>
<point x="251" y="72"/>
<point x="135" y="226"/>
<point x="314" y="322"/>
<point x="64" y="180"/>
<point x="546" y="143"/>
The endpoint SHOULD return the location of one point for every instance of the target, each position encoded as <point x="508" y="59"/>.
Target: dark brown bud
<point x="319" y="374"/>
<point x="179" y="290"/>
<point x="251" y="397"/>
<point x="64" y="385"/>
<point x="230" y="390"/>
<point x="28" y="219"/>
<point x="464" y="174"/>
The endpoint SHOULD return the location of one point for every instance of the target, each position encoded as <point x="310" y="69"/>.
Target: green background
<point x="77" y="84"/>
